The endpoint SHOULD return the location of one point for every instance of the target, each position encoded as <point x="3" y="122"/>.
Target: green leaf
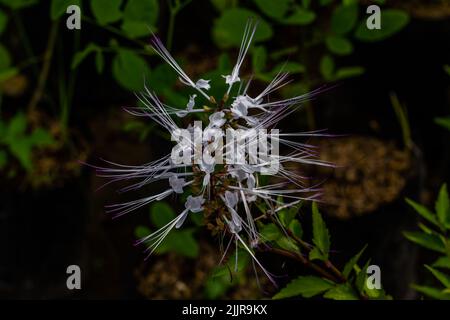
<point x="341" y="292"/>
<point x="81" y="55"/>
<point x="361" y="278"/>
<point x="106" y="11"/>
<point x="429" y="241"/>
<point x="259" y="59"/>
<point x="423" y="211"/>
<point x="183" y="243"/>
<point x="442" y="262"/>
<point x="300" y="17"/>
<point x="351" y="263"/>
<point x="270" y="232"/>
<point x="229" y="28"/>
<point x="129" y="70"/>
<point x="141" y="232"/>
<point x="59" y="7"/>
<point x="443" y="207"/>
<point x="316" y="254"/>
<point x="41" y="137"/>
<point x="339" y="45"/>
<point x="287" y="244"/>
<point x="3" y="21"/>
<point x="305" y="286"/>
<point x="5" y="58"/>
<point x="161" y="214"/>
<point x="321" y="237"/>
<point x="348" y="72"/>
<point x="242" y="262"/>
<point x="392" y="21"/>
<point x="17" y="126"/>
<point x="344" y="18"/>
<point x="442" y="277"/>
<point x="327" y="67"/>
<point x="138" y="16"/>
<point x="296" y="228"/>
<point x="18" y="4"/>
<point x="274" y="9"/>
<point x="7" y="73"/>
<point x="21" y="149"/>
<point x="443" y="122"/>
<point x="431" y="292"/>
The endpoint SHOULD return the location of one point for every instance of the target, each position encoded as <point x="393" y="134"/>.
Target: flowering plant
<point x="226" y="191"/>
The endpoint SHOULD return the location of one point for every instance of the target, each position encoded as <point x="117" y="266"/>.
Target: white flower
<point x="177" y="183"/>
<point x="236" y="185"/>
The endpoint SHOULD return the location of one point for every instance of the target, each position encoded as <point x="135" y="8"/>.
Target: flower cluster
<point x="224" y="193"/>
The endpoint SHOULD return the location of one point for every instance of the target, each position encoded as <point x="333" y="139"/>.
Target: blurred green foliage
<point x="434" y="236"/>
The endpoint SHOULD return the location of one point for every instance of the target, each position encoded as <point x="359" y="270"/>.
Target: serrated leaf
<point x="161" y="214"/>
<point x="351" y="263"/>
<point x="361" y="278"/>
<point x="296" y="228"/>
<point x="321" y="237"/>
<point x="442" y="277"/>
<point x="392" y="21"/>
<point x="344" y="18"/>
<point x="270" y="232"/>
<point x="423" y="211"/>
<point x="341" y="292"/>
<point x="443" y="207"/>
<point x="106" y="11"/>
<point x="287" y="244"/>
<point x="339" y="45"/>
<point x="228" y="28"/>
<point x="428" y="241"/>
<point x="305" y="286"/>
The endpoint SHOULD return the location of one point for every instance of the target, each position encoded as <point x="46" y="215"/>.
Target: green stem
<point x="116" y="32"/>
<point x="43" y="75"/>
<point x="173" y="9"/>
<point x="25" y="39"/>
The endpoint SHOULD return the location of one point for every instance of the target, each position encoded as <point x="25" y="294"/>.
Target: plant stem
<point x="305" y="262"/>
<point x="328" y="264"/>
<point x="116" y="32"/>
<point x="43" y="75"/>
<point x="25" y="39"/>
